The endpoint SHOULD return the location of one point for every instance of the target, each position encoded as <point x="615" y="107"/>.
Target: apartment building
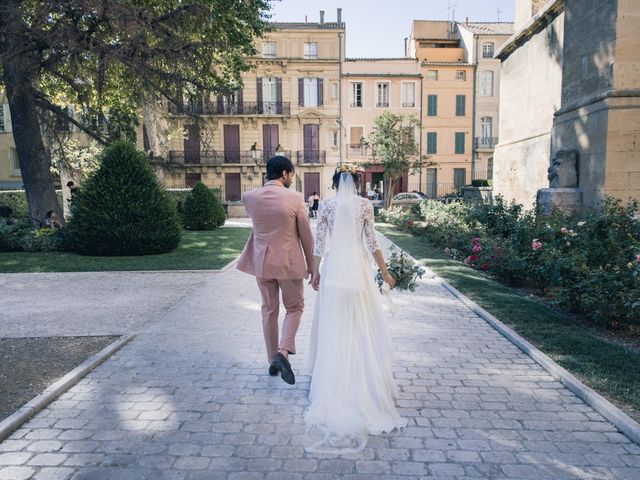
<point x="288" y="104"/>
<point x="372" y="86"/>
<point x="480" y="41"/>
<point x="9" y="167"/>
<point x="447" y="105"/>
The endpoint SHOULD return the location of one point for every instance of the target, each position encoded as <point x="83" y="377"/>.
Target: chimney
<point x="467" y="21"/>
<point x="321" y="16"/>
<point x="305" y="19"/>
<point x="406" y="53"/>
<point x="339" y="20"/>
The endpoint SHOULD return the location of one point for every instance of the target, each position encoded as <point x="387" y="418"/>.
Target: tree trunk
<point x="34" y="162"/>
<point x="391" y="183"/>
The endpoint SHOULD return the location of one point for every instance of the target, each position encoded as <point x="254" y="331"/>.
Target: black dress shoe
<point x="282" y="364"/>
<point x="273" y="370"/>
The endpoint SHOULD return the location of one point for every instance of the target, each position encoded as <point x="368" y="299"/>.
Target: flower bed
<point x="587" y="262"/>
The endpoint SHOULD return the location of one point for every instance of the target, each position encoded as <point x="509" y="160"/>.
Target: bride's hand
<point x="389" y="279"/>
<point x="315" y="280"/>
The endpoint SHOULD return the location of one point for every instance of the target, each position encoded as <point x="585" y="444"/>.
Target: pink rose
<point x="473" y="258"/>
<point x="475" y="241"/>
<point x="477" y="248"/>
<point x="638" y="258"/>
<point x="563" y="230"/>
<point x="447" y="251"/>
<point x="485" y="267"/>
<point x="536" y="245"/>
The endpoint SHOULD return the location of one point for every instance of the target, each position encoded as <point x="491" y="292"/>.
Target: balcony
<point x="486" y="143"/>
<point x="215" y="157"/>
<point x="356" y="149"/>
<point x="311" y="157"/>
<point x="235" y="108"/>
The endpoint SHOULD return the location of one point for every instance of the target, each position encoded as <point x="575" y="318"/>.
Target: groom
<point x="274" y="255"/>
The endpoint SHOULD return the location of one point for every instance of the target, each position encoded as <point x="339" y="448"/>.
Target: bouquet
<point x="403" y="270"/>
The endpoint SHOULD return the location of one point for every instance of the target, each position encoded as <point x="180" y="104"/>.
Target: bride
<point x="352" y="387"/>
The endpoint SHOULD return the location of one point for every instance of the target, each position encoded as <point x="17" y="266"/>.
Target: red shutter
<point x="301" y="92"/>
<point x="232" y="144"/>
<point x="311" y="183"/>
<point x="320" y="93"/>
<point x="232" y="187"/>
<point x="259" y="87"/>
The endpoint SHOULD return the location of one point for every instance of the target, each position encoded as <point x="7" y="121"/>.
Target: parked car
<point x="407" y="200"/>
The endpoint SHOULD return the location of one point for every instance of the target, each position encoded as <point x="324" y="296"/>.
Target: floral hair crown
<point x="346" y="169"/>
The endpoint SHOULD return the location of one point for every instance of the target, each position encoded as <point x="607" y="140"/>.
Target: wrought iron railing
<point x="223" y="157"/>
<point x="486" y="142"/>
<point x="311" y="157"/>
<point x="231" y="108"/>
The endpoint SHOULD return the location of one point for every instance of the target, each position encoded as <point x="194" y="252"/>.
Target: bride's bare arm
<point x="377" y="256"/>
<point x="315" y="275"/>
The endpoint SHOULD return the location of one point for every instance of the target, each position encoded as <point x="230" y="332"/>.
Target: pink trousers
<point x="293" y="299"/>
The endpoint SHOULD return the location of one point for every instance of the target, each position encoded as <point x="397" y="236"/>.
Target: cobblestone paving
<point x="190" y="398"/>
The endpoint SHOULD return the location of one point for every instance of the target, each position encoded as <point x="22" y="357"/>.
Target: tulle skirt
<point x="351" y="359"/>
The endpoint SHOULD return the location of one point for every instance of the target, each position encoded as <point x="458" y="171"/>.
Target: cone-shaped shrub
<point x="122" y="209"/>
<point x="202" y="209"/>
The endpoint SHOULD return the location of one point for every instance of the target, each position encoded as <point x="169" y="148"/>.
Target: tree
<point x="393" y="145"/>
<point x="203" y="209"/>
<point x="109" y="57"/>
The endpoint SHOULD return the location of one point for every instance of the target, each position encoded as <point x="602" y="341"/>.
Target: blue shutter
<point x="459" y="142"/>
<point x="432" y="142"/>
<point x="460" y="105"/>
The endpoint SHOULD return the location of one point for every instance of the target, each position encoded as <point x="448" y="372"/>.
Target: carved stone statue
<point x="563" y="172"/>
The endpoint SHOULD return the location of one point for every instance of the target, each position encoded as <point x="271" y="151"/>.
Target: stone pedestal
<point x="567" y="200"/>
<point x="236" y="210"/>
<point x="478" y="194"/>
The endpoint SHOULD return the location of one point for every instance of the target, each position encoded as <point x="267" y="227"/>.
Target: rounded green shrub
<point x="202" y="209"/>
<point x="122" y="209"/>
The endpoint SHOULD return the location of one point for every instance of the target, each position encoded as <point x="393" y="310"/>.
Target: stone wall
<point x="531" y="79"/>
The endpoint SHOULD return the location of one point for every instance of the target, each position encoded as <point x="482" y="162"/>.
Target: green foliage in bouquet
<point x="403" y="270"/>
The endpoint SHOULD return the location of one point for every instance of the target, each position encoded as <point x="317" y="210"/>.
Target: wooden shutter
<point x="301" y="92"/>
<point x="279" y="95"/>
<point x="232" y="187"/>
<point x="190" y="179"/>
<point x="232" y="144"/>
<point x="269" y="139"/>
<point x="259" y="93"/>
<point x="192" y="144"/>
<point x="220" y="104"/>
<point x="320" y="92"/>
<point x="240" y="101"/>
<point x="311" y="183"/>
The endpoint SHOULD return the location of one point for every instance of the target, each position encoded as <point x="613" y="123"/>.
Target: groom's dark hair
<point x="276" y="165"/>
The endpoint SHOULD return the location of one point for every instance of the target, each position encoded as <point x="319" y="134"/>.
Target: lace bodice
<point x="326" y="218"/>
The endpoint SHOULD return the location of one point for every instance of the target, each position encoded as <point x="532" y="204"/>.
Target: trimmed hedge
<point x="17" y="201"/>
<point x="202" y="209"/>
<point x="122" y="209"/>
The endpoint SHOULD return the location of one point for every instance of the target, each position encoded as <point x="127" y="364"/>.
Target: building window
<point x="356" y="95"/>
<point x="486" y="124"/>
<point x="459" y="178"/>
<point x="310" y="50"/>
<point x="432" y="74"/>
<point x="486" y="84"/>
<point x="334" y="90"/>
<point x="432" y="105"/>
<point x="13" y="160"/>
<point x="409" y="94"/>
<point x="382" y="95"/>
<point x="461" y="75"/>
<point x="269" y="49"/>
<point x="487" y="50"/>
<point x="310" y="92"/>
<point x="490" y="169"/>
<point x="461" y="105"/>
<point x="460" y="142"/>
<point x="432" y="142"/>
<point x="232" y="187"/>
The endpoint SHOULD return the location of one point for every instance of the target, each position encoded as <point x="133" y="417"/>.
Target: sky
<point x="377" y="28"/>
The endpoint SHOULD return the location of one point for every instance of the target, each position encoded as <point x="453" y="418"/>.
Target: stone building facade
<point x="372" y="86"/>
<point x="481" y="40"/>
<point x="571" y="82"/>
<point x="288" y="104"/>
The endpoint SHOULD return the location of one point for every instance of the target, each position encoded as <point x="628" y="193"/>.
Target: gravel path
<point x="88" y="303"/>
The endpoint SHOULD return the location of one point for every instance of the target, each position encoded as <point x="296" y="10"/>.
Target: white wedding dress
<point x="352" y="387"/>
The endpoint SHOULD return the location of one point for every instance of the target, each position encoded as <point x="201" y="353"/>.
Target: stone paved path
<point x="189" y="398"/>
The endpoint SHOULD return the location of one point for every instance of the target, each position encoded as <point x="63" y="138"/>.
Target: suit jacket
<point x="281" y="244"/>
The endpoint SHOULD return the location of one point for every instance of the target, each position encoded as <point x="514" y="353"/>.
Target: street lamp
<point x="256" y="154"/>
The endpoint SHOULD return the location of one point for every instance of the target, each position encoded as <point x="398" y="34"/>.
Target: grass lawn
<point x="608" y="366"/>
<point x="202" y="250"/>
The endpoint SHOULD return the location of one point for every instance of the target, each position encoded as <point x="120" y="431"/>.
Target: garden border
<point x="53" y="391"/>
<point x="604" y="407"/>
